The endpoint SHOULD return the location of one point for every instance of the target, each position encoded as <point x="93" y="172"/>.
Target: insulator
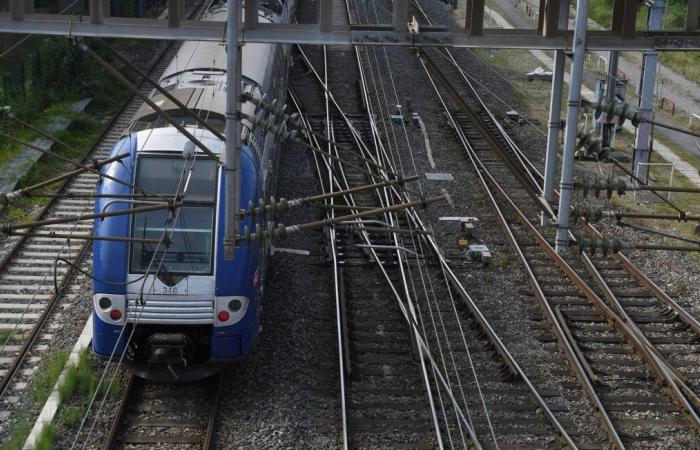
<point x="251" y="208"/>
<point x="589" y="214"/>
<point x="592" y="145"/>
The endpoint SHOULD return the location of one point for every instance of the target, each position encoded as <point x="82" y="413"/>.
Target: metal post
<point x="574" y="104"/>
<point x="28" y="6"/>
<point x="96" y="15"/>
<point x="107" y="8"/>
<point x="17" y="9"/>
<point x="475" y="17"/>
<point x="642" y="140"/>
<point x="609" y="123"/>
<point x="233" y="127"/>
<point x="174" y="13"/>
<point x="554" y="109"/>
<point x="400" y="15"/>
<point x="325" y="15"/>
<point x="251" y="14"/>
<point x="692" y="16"/>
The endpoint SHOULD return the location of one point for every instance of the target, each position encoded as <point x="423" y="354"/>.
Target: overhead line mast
<point x="232" y="155"/>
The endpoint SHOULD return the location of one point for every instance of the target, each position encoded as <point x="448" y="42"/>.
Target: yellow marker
<point x="463" y="243"/>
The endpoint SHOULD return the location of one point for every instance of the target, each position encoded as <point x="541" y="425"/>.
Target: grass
<point x="78" y="388"/>
<point x="46" y="438"/>
<point x="80" y="379"/>
<point x="46" y="379"/>
<point x="685" y="63"/>
<point x="19" y="435"/>
<point x="4" y="335"/>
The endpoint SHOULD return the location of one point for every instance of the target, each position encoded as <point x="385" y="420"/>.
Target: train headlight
<point x="105" y="303"/>
<point x="110" y="308"/>
<point x="229" y="310"/>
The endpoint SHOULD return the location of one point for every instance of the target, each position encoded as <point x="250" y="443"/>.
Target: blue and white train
<point x="181" y="311"/>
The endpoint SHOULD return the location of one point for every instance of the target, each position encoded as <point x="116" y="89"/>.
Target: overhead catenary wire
<point x="399" y="242"/>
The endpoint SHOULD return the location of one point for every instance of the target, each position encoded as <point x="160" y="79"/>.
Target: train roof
<point x="169" y="139"/>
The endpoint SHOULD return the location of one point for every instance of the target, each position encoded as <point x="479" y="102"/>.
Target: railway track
<point x="153" y="414"/>
<point x="379" y="347"/>
<point x="385" y="401"/>
<point x="603" y="313"/>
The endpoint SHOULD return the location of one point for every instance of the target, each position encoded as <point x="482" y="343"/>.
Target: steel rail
<point x="36" y="330"/>
<point x="408" y="316"/>
<point x="535" y="175"/>
<point x="214" y="390"/>
<point x="485" y="326"/>
<point x="532" y="172"/>
<point x="384" y="199"/>
<point x="564" y="344"/>
<point x="509" y="361"/>
<point x="121" y="409"/>
<point x="662" y="371"/>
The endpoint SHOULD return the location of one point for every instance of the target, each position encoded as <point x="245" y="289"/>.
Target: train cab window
<point x="192" y="232"/>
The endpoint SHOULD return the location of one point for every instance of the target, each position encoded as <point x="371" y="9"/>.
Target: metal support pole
<point x="554" y="107"/>
<point x="609" y="123"/>
<point x="574" y="105"/>
<point x="474" y="22"/>
<point x="400" y="15"/>
<point x="28" y="6"/>
<point x="692" y="16"/>
<point x="17" y="9"/>
<point x="107" y="8"/>
<point x="174" y="13"/>
<point x="96" y="14"/>
<point x="643" y="138"/>
<point x="233" y="128"/>
<point x="325" y="15"/>
<point x="251" y="14"/>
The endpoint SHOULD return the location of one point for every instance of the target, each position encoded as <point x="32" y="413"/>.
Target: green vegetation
<point x="19" y="435"/>
<point x="45" y="380"/>
<point x="80" y="379"/>
<point x="46" y="77"/>
<point x="77" y="390"/>
<point x="685" y="63"/>
<point x="46" y="438"/>
<point x="4" y="335"/>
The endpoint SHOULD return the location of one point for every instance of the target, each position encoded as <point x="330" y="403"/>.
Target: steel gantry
<point x="21" y="18"/>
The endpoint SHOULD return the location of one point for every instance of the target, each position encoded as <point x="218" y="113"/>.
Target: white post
<point x="233" y="127"/>
<point x="642" y="141"/>
<point x="555" y="113"/>
<point x="574" y="105"/>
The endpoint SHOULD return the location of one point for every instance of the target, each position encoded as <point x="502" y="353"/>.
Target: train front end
<point x="166" y="297"/>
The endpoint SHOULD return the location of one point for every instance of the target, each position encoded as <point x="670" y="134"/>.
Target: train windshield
<point x="190" y="231"/>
